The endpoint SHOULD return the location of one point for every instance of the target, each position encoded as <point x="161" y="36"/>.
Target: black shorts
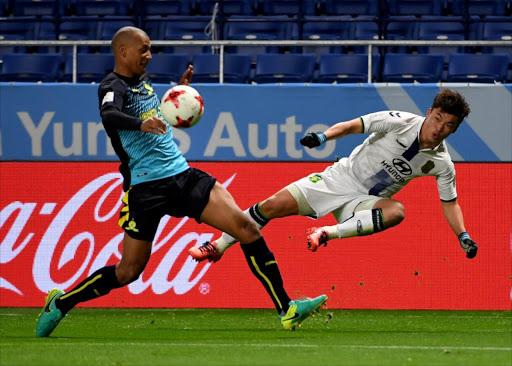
<point x="185" y="194"/>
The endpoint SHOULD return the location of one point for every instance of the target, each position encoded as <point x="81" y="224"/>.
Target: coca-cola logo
<point x="83" y="247"/>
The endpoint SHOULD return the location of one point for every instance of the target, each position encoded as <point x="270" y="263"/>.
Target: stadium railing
<point x="218" y="46"/>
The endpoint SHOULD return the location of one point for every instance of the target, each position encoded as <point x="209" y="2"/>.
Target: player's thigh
<point x="223" y="213"/>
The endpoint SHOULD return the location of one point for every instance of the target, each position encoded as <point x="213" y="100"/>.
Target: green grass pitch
<point x="254" y="337"/>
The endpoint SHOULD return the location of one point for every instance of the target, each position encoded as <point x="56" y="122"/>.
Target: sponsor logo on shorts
<point x="315" y="178"/>
<point x="132" y="226"/>
<point x="359" y="227"/>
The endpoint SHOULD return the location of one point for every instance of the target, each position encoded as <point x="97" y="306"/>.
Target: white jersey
<point x="391" y="156"/>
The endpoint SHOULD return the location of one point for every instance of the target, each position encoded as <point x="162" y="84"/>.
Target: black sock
<point x="264" y="266"/>
<point x="257" y="215"/>
<point x="98" y="284"/>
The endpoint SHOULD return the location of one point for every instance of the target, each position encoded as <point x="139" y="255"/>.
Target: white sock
<point x="364" y="222"/>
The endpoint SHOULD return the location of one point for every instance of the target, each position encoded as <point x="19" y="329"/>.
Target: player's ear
<point x="429" y="111"/>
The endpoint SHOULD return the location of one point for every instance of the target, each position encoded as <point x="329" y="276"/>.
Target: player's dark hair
<point x="452" y="102"/>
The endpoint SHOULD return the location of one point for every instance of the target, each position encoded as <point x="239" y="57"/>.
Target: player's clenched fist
<point x="313" y="139"/>
<point x="468" y="245"/>
<point x="154" y="125"/>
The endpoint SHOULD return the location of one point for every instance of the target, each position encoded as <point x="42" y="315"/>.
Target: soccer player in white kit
<point x="358" y="189"/>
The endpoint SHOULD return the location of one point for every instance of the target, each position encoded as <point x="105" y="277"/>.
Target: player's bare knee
<point x="129" y="273"/>
<point x="395" y="214"/>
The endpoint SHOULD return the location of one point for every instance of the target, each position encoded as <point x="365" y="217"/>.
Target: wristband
<point x="321" y="137"/>
<point x="463" y="236"/>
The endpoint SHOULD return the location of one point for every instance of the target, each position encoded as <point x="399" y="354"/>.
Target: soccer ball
<point x="182" y="106"/>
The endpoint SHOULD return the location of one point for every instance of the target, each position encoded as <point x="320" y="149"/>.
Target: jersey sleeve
<point x="111" y="97"/>
<point x="446" y="183"/>
<point x="386" y="121"/>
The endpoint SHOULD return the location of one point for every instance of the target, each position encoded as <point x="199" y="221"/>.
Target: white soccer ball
<point x="182" y="106"/>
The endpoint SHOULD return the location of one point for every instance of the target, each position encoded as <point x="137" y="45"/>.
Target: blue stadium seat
<point x="478" y="68"/>
<point x="258" y="28"/>
<point x="168" y="67"/>
<point x="91" y="67"/>
<point x="364" y="28"/>
<point x="5" y="8"/>
<point x="165" y="7"/>
<point x="288" y="7"/>
<point x="289" y="68"/>
<point x="228" y="7"/>
<point x="497" y="29"/>
<point x="351" y="7"/>
<point x="39" y="7"/>
<point x="30" y="67"/>
<point x="415" y="7"/>
<point x="101" y="7"/>
<point x="154" y="26"/>
<point x="443" y="29"/>
<point x="108" y="26"/>
<point x="325" y="28"/>
<point x="16" y="28"/>
<point x="79" y="28"/>
<point x="351" y="68"/>
<point x="400" y="28"/>
<point x="237" y="68"/>
<point x="405" y="68"/>
<point x="187" y="29"/>
<point x="479" y="7"/>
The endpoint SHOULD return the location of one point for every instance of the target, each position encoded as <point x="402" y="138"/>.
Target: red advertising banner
<point x="59" y="224"/>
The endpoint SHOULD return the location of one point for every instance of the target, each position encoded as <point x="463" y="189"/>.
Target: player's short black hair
<point x="452" y="102"/>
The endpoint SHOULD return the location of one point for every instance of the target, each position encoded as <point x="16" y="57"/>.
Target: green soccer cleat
<point x="50" y="316"/>
<point x="300" y="309"/>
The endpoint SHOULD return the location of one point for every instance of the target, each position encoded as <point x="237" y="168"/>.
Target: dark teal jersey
<point x="124" y="104"/>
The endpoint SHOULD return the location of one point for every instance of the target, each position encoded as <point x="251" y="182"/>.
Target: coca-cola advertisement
<point x="58" y="224"/>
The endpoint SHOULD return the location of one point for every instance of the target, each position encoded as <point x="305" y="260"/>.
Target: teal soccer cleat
<point x="300" y="309"/>
<point x="50" y="316"/>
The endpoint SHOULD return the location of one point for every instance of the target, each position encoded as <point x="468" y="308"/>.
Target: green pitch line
<point x="254" y="337"/>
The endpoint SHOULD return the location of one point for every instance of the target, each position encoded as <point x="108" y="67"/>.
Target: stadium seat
<point x="351" y="7"/>
<point x="364" y="28"/>
<point x="78" y="28"/>
<point x="90" y="67"/>
<point x="154" y="26"/>
<point x="5" y="8"/>
<point x="325" y="28"/>
<point x="289" y="68"/>
<point x="288" y="7"/>
<point x="497" y="29"/>
<point x="479" y="7"/>
<point x="100" y="7"/>
<point x="478" y="68"/>
<point x="400" y="28"/>
<point x="30" y="67"/>
<point x="441" y="28"/>
<point x="168" y="67"/>
<point x="187" y="28"/>
<point x="237" y="68"/>
<point x="39" y="7"/>
<point x="405" y="68"/>
<point x="258" y="28"/>
<point x="165" y="7"/>
<point x="415" y="7"/>
<point x="227" y="7"/>
<point x="16" y="28"/>
<point x="351" y="68"/>
<point x="108" y="26"/>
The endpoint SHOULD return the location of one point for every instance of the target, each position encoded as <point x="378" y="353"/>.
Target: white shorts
<point x="330" y="191"/>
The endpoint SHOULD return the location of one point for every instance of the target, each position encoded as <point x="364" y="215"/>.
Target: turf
<point x="254" y="337"/>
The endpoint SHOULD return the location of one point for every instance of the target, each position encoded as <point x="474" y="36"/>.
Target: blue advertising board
<point x="61" y="122"/>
